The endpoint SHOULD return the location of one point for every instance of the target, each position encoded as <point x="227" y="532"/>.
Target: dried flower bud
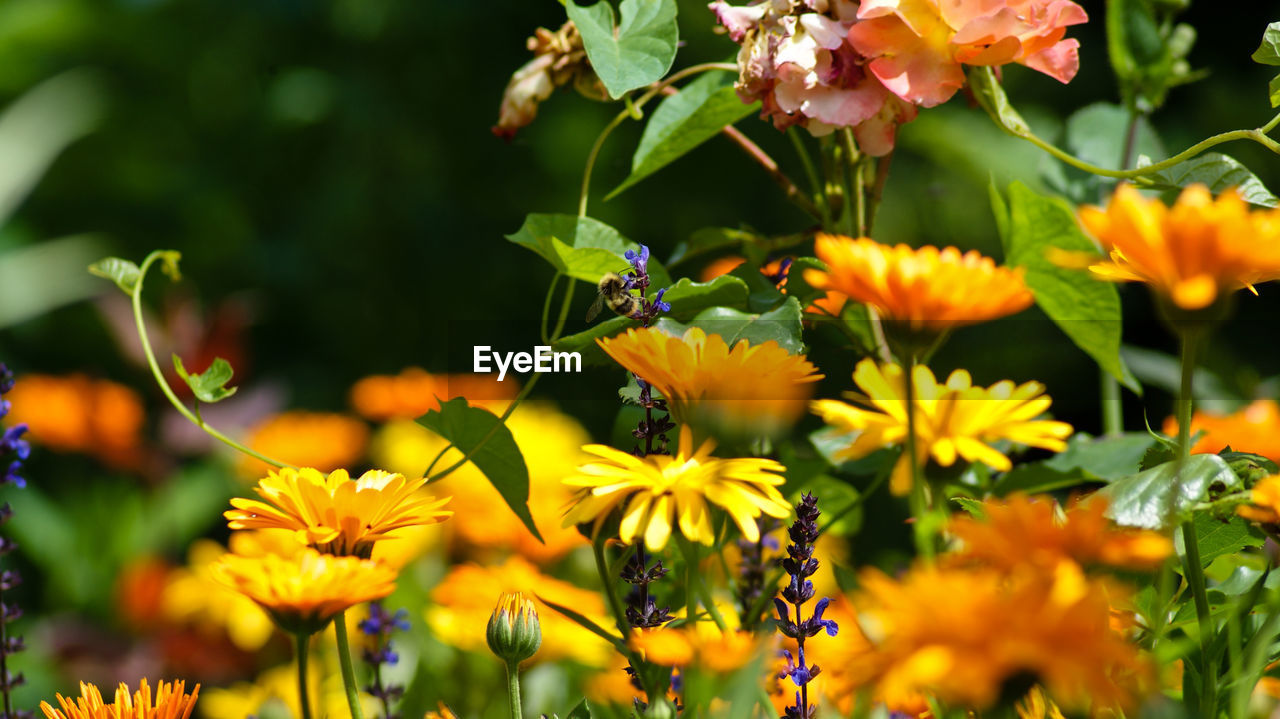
<point x="514" y="633"/>
<point x="559" y="59"/>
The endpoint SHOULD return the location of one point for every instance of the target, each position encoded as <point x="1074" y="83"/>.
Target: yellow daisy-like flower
<point x="337" y="514"/>
<point x="953" y="420"/>
<point x="170" y="702"/>
<point x="659" y="491"/>
<point x="964" y="635"/>
<point x="926" y="288"/>
<point x="744" y="390"/>
<point x="304" y="592"/>
<point x="1264" y="501"/>
<point x="1190" y="253"/>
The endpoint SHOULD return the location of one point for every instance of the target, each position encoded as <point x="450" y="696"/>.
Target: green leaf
<point x="1250" y="468"/>
<point x="123" y="272"/>
<point x="684" y="121"/>
<point x="781" y="325"/>
<point x="497" y="457"/>
<point x="1273" y="91"/>
<point x="1164" y="371"/>
<point x="638" y="51"/>
<point x="1087" y="310"/>
<point x="1218" y="538"/>
<point x="763" y="295"/>
<point x="989" y="93"/>
<point x="687" y="299"/>
<point x="208" y="386"/>
<point x="581" y="711"/>
<point x="582" y="621"/>
<point x="1000" y="210"/>
<point x="1086" y="459"/>
<point x="581" y="247"/>
<point x="1268" y="53"/>
<point x="1158" y="498"/>
<point x="972" y="506"/>
<point x="1218" y="172"/>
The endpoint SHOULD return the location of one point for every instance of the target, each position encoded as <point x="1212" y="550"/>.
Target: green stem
<point x="919" y="502"/>
<point x="348" y="671"/>
<point x="564" y="311"/>
<point x="854" y="209"/>
<point x="164" y="384"/>
<point x="811" y="173"/>
<point x="619" y="614"/>
<point x="513" y="688"/>
<point x="1112" y="411"/>
<point x="877" y="190"/>
<point x="696" y="581"/>
<point x="1191" y="556"/>
<point x="546" y="306"/>
<point x="524" y="392"/>
<point x="303" y="701"/>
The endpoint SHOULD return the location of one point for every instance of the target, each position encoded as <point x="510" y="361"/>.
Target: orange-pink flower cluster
<point x="824" y="64"/>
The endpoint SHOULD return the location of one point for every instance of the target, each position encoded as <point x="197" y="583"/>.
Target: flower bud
<point x="514" y="633"/>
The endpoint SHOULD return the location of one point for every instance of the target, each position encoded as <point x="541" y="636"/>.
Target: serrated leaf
<point x="781" y="325"/>
<point x="488" y="443"/>
<point x="122" y="272"/>
<point x="686" y="297"/>
<point x="1087" y="311"/>
<point x="683" y="122"/>
<point x="638" y="51"/>
<point x="1268" y="53"/>
<point x="1163" y="496"/>
<point x="581" y="247"/>
<point x="1218" y="172"/>
<point x="208" y="386"/>
<point x="1086" y="459"/>
<point x="990" y="94"/>
<point x="1217" y="538"/>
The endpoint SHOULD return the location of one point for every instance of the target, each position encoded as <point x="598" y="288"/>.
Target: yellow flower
<point x="304" y="592"/>
<point x="963" y="635"/>
<point x="658" y="491"/>
<point x="1020" y="531"/>
<point x="1256" y="429"/>
<point x="171" y="702"/>
<point x="322" y="440"/>
<point x="925" y="289"/>
<point x="744" y="390"/>
<point x="442" y="712"/>
<point x="336" y="514"/>
<point x="701" y="644"/>
<point x="1264" y="501"/>
<point x="193" y="596"/>
<point x="953" y="420"/>
<point x="461" y="604"/>
<point x="1191" y="253"/>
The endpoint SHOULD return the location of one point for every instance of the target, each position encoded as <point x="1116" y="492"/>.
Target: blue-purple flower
<point x="800" y="564"/>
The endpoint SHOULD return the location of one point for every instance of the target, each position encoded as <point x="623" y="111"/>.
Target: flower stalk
<point x="14" y="451"/>
<point x="300" y="643"/>
<point x="801" y="565"/>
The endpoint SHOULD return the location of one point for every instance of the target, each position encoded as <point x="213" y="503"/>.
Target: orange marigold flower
<point x="337" y="514"/>
<point x="701" y="644"/>
<point x="323" y="440"/>
<point x="962" y="634"/>
<point x="925" y="288"/>
<point x="170" y="702"/>
<point x="74" y="413"/>
<point x="1191" y="253"/>
<point x="1019" y="531"/>
<point x="744" y="390"/>
<point x="302" y="593"/>
<point x="1255" y="429"/>
<point x="414" y="392"/>
<point x="917" y="47"/>
<point x="1264" y="501"/>
<point x="953" y="420"/>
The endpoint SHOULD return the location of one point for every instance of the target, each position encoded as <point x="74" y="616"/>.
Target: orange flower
<point x="74" y="413"/>
<point x="322" y="440"/>
<point x="414" y="392"/>
<point x="1265" y="501"/>
<point x="928" y="288"/>
<point x="744" y="390"/>
<point x="171" y="702"/>
<point x="917" y="47"/>
<point x="701" y="644"/>
<point x="1191" y="253"/>
<point x="1254" y="429"/>
<point x="1020" y="531"/>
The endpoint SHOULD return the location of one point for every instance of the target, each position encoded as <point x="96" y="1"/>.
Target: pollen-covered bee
<point x="613" y="292"/>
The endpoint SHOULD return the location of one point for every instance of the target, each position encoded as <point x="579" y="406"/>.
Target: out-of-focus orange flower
<point x="414" y="392"/>
<point x="1264" y="501"/>
<point x="551" y="443"/>
<point x="74" y="413"/>
<point x="746" y="390"/>
<point x="917" y="47"/>
<point x="170" y="702"/>
<point x="926" y="288"/>
<point x="724" y="265"/>
<point x="323" y="440"/>
<point x="1254" y="429"/>
<point x="1191" y="253"/>
<point x="441" y="712"/>
<point x="1020" y="531"/>
<point x="462" y="602"/>
<point x="702" y="644"/>
<point x="139" y="591"/>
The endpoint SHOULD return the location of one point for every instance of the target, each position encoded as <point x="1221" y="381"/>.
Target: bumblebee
<point x="613" y="292"/>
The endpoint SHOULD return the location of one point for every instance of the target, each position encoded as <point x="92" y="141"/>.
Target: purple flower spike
<point x="801" y="565"/>
<point x="639" y="260"/>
